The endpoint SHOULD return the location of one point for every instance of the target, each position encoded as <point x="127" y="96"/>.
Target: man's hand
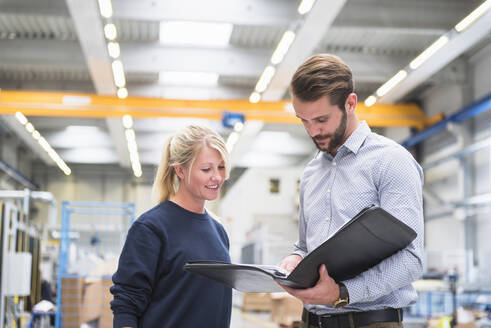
<point x="326" y="291"/>
<point x="290" y="262"/>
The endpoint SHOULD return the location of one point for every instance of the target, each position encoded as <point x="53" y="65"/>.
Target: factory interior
<point x="90" y="91"/>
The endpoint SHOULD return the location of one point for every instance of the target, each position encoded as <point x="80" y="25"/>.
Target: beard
<point x="336" y="139"/>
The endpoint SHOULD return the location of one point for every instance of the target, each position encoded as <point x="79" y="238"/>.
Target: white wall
<point x="249" y="202"/>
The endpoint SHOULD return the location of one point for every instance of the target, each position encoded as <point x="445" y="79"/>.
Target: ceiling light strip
<point x="395" y="80"/>
<point x="265" y="78"/>
<point x="305" y="6"/>
<point x="132" y="146"/>
<point x="114" y="52"/>
<point x="429" y="52"/>
<point x="43" y="143"/>
<point x="282" y="48"/>
<point x="473" y="16"/>
<point x="106" y="8"/>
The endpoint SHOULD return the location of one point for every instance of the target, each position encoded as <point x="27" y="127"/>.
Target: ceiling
<point x="59" y="45"/>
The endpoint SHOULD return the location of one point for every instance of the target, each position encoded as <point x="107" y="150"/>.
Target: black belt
<point x="342" y="320"/>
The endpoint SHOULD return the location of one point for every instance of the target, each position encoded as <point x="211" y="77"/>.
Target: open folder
<point x="363" y="242"/>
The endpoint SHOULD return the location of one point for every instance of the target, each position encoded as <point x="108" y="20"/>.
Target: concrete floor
<point x="251" y="319"/>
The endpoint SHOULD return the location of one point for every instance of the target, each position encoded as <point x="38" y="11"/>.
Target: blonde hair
<point x="182" y="149"/>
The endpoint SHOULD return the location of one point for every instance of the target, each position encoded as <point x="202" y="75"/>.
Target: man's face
<point x="324" y="122"/>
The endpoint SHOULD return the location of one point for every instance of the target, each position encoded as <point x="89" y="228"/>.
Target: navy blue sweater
<point x="150" y="288"/>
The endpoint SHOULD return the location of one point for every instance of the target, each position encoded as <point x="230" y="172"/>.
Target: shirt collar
<point x="357" y="138"/>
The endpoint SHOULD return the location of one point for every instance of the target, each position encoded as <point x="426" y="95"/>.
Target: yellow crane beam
<point x="34" y="103"/>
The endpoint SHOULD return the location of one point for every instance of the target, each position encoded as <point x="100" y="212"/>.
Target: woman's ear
<point x="179" y="171"/>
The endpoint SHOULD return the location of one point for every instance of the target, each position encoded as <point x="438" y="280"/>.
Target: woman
<point x="150" y="288"/>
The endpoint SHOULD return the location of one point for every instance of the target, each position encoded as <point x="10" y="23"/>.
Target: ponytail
<point x="164" y="184"/>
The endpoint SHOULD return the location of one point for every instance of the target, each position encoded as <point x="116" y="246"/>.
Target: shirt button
<point x="334" y="163"/>
<point x="328" y="190"/>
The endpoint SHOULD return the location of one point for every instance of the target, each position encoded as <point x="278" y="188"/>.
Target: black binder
<point x="363" y="242"/>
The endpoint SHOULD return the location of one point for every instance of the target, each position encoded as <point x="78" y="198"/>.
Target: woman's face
<point x="207" y="175"/>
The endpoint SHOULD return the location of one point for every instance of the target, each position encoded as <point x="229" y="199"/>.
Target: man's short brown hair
<point x="323" y="75"/>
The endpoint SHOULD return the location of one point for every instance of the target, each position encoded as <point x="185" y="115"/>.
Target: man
<point x="353" y="169"/>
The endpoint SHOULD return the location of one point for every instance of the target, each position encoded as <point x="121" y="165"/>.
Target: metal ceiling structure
<point x="60" y="46"/>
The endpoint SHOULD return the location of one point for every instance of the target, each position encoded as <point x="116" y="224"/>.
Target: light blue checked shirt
<point x="367" y="169"/>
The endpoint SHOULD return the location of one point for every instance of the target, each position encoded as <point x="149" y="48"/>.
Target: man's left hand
<point x="326" y="291"/>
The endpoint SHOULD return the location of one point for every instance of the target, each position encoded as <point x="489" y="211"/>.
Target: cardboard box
<point x="106" y="319"/>
<point x="285" y="309"/>
<point x="86" y="300"/>
<point x="256" y="302"/>
<point x="71" y="302"/>
<point x="93" y="300"/>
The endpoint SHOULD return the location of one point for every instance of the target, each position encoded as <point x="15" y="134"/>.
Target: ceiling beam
<point x="30" y="7"/>
<point x="27" y="138"/>
<point x="248" y="12"/>
<point x="88" y="24"/>
<point x="149" y="58"/>
<point x="458" y="44"/>
<point x="432" y="15"/>
<point x="87" y="105"/>
<point x="308" y="36"/>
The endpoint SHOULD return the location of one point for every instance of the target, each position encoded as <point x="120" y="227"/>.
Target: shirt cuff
<point x="125" y="320"/>
<point x="302" y="254"/>
<point x="355" y="290"/>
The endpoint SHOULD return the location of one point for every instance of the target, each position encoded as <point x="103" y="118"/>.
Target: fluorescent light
<point x="44" y="144"/>
<point x="231" y="141"/>
<point x="51" y="152"/>
<point x="305" y="6"/>
<point x="21" y="118"/>
<point x="254" y="97"/>
<point x="132" y="147"/>
<point x="188" y="78"/>
<point x="195" y="33"/>
<point x="473" y="16"/>
<point x="127" y="121"/>
<point x="118" y="73"/>
<point x="282" y="48"/>
<point x="106" y="8"/>
<point x="29" y="127"/>
<point x="265" y="78"/>
<point x="289" y="108"/>
<point x="36" y="135"/>
<point x="238" y="126"/>
<point x="430" y="51"/>
<point x="110" y="31"/>
<point x="113" y="49"/>
<point x="130" y="134"/>
<point x="382" y="91"/>
<point x="122" y="93"/>
<point x="370" y="101"/>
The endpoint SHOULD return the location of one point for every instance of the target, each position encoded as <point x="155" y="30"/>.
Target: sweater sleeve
<point x="135" y="277"/>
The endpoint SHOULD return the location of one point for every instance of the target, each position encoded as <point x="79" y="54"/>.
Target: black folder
<point x="363" y="242"/>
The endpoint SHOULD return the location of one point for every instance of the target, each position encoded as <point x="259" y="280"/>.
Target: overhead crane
<point x="35" y="103"/>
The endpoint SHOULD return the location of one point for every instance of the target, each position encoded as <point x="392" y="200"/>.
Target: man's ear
<point x="179" y="171"/>
<point x="351" y="101"/>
